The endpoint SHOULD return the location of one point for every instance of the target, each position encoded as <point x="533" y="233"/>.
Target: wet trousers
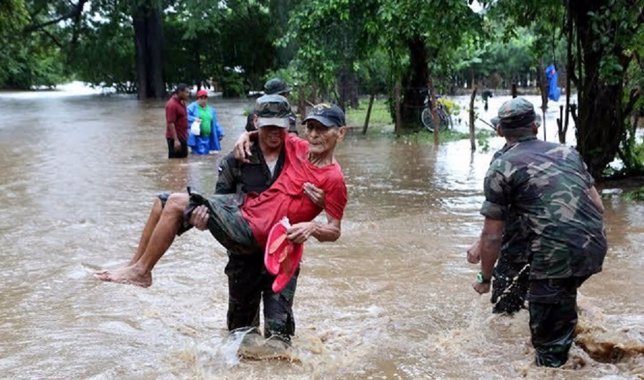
<point x="553" y="318"/>
<point x="510" y="284"/>
<point x="248" y="284"/>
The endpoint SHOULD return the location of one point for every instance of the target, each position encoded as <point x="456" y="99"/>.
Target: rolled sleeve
<point x="496" y="189"/>
<point x="493" y="210"/>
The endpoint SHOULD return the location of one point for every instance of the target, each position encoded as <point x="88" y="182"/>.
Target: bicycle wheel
<point x="427" y="120"/>
<point x="444" y="119"/>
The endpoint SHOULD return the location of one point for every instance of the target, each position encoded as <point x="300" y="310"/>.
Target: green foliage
<point x="107" y="35"/>
<point x="232" y="83"/>
<point x="330" y="36"/>
<point x="452" y="107"/>
<point x="483" y="139"/>
<point x="380" y="114"/>
<point x="635" y="195"/>
<point x="31" y="63"/>
<point x="13" y="17"/>
<point x="26" y="60"/>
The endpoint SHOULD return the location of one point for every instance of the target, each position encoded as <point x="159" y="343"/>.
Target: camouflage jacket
<point x="544" y="187"/>
<point x="514" y="246"/>
<point x="243" y="178"/>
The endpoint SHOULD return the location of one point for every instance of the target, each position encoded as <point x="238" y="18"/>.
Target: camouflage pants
<point x="553" y="318"/>
<point x="248" y="284"/>
<point x="225" y="220"/>
<point x="510" y="284"/>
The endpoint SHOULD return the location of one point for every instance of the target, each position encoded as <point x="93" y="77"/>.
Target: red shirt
<point x="175" y="112"/>
<point x="286" y="196"/>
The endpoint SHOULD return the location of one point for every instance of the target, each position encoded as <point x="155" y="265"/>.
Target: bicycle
<point x="442" y="112"/>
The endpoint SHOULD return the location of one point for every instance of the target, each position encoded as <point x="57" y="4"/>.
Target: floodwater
<point x="391" y="299"/>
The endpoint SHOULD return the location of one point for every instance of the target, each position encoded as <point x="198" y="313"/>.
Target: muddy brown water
<point x="391" y="299"/>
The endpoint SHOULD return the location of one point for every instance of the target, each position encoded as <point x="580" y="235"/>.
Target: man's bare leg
<point x="162" y="235"/>
<point x="153" y="219"/>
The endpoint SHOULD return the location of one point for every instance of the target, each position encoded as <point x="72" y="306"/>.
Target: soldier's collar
<point x="255" y="154"/>
<point x="526" y="138"/>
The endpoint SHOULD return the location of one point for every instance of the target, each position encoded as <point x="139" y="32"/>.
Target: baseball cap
<point x="495" y="122"/>
<point x="276" y="86"/>
<point x="328" y="115"/>
<point x="201" y="93"/>
<point x="516" y="113"/>
<point x="272" y="110"/>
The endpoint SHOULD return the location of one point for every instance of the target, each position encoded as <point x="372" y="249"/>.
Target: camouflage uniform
<point x="248" y="280"/>
<point x="543" y="189"/>
<point x="510" y="276"/>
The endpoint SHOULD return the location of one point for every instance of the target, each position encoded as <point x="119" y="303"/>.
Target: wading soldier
<point x="546" y="189"/>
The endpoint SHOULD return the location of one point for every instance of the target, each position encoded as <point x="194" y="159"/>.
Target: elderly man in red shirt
<point x="246" y="228"/>
<point x="176" y="117"/>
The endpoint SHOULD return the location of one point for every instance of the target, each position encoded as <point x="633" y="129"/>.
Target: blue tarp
<point x="554" y="92"/>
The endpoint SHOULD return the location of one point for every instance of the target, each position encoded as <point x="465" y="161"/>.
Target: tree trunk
<point x="398" y="120"/>
<point x="472" y="120"/>
<point x="414" y="82"/>
<point x="569" y="65"/>
<point x="435" y="118"/>
<point x="543" y="88"/>
<point x="600" y="122"/>
<point x="372" y="97"/>
<point x="347" y="89"/>
<point x="148" y="42"/>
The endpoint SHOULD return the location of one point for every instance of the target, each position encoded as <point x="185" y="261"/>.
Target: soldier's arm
<point x="596" y="198"/>
<point x="490" y="245"/>
<point x="227" y="180"/>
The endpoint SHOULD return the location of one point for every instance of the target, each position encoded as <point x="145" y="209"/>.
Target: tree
<point x="332" y="37"/>
<point x="606" y="37"/>
<point x="32" y="52"/>
<point x="147" y="22"/>
<point x="427" y="31"/>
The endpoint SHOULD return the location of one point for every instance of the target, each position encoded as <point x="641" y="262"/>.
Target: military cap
<point x="516" y="113"/>
<point x="272" y="110"/>
<point x="276" y="86"/>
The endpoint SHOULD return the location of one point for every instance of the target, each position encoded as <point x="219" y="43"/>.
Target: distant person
<point x="245" y="227"/>
<point x="275" y="86"/>
<point x="545" y="190"/>
<point x="487" y="94"/>
<point x="176" y="117"/>
<point x="210" y="132"/>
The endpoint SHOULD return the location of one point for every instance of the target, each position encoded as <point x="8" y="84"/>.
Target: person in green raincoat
<point x="210" y="132"/>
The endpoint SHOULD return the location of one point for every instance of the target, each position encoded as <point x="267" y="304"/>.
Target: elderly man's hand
<point x="474" y="252"/>
<point x="199" y="218"/>
<point x="300" y="232"/>
<point x="241" y="149"/>
<point x="315" y="194"/>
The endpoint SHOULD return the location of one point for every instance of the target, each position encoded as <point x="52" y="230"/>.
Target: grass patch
<point x="379" y="114"/>
<point x="635" y="195"/>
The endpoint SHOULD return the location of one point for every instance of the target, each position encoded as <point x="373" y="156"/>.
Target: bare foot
<point x="126" y="275"/>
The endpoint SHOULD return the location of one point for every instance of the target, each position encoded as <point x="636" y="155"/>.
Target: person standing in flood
<point x="210" y="132"/>
<point x="176" y="118"/>
<point x="275" y="86"/>
<point x="510" y="277"/>
<point x="546" y="189"/>
<point x="249" y="283"/>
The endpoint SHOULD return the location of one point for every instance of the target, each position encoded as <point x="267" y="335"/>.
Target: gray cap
<point x="516" y="113"/>
<point x="272" y="110"/>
